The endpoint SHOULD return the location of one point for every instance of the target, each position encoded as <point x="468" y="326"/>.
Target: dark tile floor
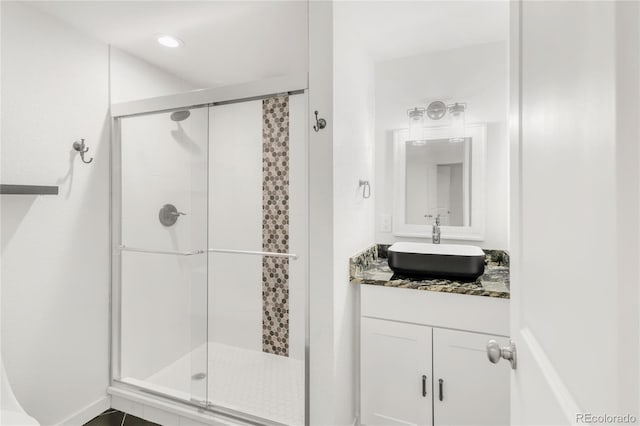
<point x="118" y="418"/>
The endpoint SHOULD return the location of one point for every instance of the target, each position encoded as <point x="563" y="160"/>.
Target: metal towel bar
<point x="178" y="253"/>
<point x="191" y="253"/>
<point x="256" y="253"/>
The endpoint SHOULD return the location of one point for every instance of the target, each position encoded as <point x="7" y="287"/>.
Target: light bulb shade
<point x="458" y="125"/>
<point x="416" y="124"/>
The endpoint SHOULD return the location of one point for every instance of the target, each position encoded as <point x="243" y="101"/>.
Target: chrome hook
<point x="321" y="123"/>
<point x="82" y="149"/>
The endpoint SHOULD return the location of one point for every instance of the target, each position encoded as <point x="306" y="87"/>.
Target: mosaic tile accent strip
<point x="275" y="225"/>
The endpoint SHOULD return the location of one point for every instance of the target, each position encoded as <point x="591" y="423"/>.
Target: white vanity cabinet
<point x="396" y="379"/>
<point x="468" y="389"/>
<point x="417" y="366"/>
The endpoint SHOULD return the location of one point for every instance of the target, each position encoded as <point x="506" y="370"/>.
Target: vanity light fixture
<point x="169" y="41"/>
<point x="458" y="129"/>
<point x="436" y="110"/>
<point x="416" y="123"/>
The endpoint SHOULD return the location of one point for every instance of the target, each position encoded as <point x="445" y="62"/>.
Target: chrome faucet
<point x="435" y="231"/>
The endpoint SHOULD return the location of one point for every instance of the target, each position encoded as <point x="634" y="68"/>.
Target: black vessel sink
<point x="447" y="261"/>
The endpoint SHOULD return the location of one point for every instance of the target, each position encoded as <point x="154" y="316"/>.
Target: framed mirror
<point x="436" y="177"/>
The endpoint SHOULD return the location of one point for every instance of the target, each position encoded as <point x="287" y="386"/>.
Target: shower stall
<point x="209" y="249"/>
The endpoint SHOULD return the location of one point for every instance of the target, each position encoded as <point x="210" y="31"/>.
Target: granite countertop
<point x="371" y="267"/>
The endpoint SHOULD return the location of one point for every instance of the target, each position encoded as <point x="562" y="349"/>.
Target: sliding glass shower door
<point x="162" y="252"/>
<point x="210" y="256"/>
<point x="257" y="261"/>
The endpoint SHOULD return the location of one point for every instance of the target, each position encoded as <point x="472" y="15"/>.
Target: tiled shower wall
<point x="275" y="225"/>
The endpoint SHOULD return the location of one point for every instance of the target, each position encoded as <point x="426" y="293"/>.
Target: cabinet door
<point x="395" y="375"/>
<point x="474" y="391"/>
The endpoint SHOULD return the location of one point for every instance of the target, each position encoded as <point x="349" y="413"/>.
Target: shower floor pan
<point x="256" y="383"/>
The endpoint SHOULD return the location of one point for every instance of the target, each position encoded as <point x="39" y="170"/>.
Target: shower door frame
<point x="293" y="84"/>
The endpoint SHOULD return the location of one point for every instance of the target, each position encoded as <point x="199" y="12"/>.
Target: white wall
<point x="133" y="78"/>
<point x="55" y="249"/>
<point x="476" y="75"/>
<point x="353" y="152"/>
<point x="321" y="366"/>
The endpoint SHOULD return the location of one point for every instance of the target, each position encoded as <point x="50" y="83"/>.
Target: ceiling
<point x="397" y="29"/>
<point x="228" y="42"/>
<point x="225" y="42"/>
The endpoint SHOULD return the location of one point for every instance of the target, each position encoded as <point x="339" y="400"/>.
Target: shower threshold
<point x="256" y="383"/>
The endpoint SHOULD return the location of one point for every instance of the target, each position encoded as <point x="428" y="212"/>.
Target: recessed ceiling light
<point x="169" y="41"/>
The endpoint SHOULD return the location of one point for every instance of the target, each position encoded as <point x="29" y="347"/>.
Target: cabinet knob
<point x="495" y="352"/>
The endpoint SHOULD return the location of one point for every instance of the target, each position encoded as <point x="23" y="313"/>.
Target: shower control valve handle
<point x="169" y="214"/>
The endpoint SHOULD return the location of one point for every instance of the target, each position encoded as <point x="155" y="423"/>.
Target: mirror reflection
<point x="438" y="182"/>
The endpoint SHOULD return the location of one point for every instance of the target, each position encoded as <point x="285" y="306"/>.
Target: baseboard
<point x="87" y="413"/>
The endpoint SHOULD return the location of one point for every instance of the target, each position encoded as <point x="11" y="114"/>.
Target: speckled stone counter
<point x="371" y="267"/>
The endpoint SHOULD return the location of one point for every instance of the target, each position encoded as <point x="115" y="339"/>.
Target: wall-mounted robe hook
<point x="366" y="188"/>
<point x="82" y="149"/>
<point x="321" y="123"/>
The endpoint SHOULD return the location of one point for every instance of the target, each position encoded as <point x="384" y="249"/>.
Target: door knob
<point x="495" y="352"/>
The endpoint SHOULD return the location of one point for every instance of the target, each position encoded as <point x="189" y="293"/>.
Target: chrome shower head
<point x="180" y="115"/>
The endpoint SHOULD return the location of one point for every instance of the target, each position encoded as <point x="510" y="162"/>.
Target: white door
<point x="575" y="212"/>
<point x="396" y="382"/>
<point x="467" y="389"/>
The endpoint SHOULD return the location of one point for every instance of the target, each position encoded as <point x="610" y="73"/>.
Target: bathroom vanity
<point x="422" y="344"/>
